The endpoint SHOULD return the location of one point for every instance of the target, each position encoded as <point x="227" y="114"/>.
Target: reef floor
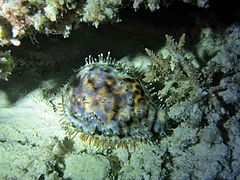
<point x="33" y="145"/>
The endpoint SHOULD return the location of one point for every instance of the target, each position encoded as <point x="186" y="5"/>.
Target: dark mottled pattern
<point x="103" y="100"/>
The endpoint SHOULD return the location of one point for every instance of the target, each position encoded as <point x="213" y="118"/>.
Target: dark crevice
<point x="167" y="159"/>
<point x="57" y="166"/>
<point x="224" y="118"/>
<point x="217" y="77"/>
<point x="42" y="177"/>
<point x="167" y="131"/>
<point x="115" y="165"/>
<point x="223" y="132"/>
<point x="204" y="122"/>
<point x="231" y="109"/>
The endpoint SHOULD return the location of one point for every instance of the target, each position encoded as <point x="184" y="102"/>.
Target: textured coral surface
<point x="199" y="88"/>
<point x="26" y="17"/>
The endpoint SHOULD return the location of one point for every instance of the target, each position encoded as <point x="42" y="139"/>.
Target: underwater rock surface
<point x="202" y="133"/>
<point x="19" y="18"/>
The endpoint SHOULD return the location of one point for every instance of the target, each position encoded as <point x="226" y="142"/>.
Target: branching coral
<point x="174" y="70"/>
<point x="202" y="95"/>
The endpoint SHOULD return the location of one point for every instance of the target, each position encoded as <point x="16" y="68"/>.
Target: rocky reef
<point x="189" y="54"/>
<point x="27" y="17"/>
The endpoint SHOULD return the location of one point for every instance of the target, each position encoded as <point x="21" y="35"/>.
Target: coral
<point x="182" y="80"/>
<point x="202" y="140"/>
<point x="21" y="18"/>
<point x="6" y="64"/>
<point x="174" y="71"/>
<point x="96" y="11"/>
<point x="205" y="114"/>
